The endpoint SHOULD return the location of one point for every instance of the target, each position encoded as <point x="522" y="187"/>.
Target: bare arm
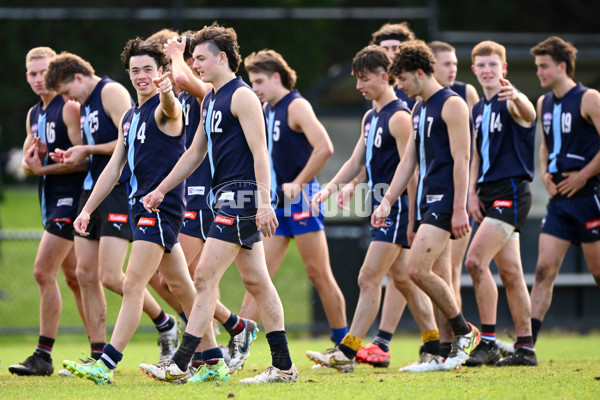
<point x="519" y="106"/>
<point x="182" y="74"/>
<point x="168" y="114"/>
<point x="27" y="144"/>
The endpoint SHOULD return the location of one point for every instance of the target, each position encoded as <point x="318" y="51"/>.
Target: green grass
<point x="568" y="370"/>
<point x="19" y="296"/>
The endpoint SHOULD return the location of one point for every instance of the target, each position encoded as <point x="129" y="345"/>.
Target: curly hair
<point x="221" y="39"/>
<point x="372" y="58"/>
<point x="560" y="51"/>
<point x="269" y="62"/>
<point x="63" y="67"/>
<point x="140" y="47"/>
<point x="411" y="56"/>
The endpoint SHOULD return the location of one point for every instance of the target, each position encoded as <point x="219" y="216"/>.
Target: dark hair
<point x="559" y="50"/>
<point x="269" y="62"/>
<point x="373" y="59"/>
<point x="63" y="67"/>
<point x="411" y="56"/>
<point x="221" y="39"/>
<point x="139" y="47"/>
<point x="400" y="32"/>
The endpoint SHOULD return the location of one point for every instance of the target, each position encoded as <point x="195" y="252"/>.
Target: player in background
<point x="51" y="123"/>
<point x="299" y="148"/>
<point x="101" y="254"/>
<point x="570" y="170"/>
<point x="235" y="138"/>
<point x="385" y="131"/>
<point x="440" y="149"/>
<point x="499" y="200"/>
<point x="150" y="142"/>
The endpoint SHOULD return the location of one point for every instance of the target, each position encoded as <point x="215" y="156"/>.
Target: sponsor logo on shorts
<point x="67" y="220"/>
<point x="223" y="220"/>
<point x="592" y="224"/>
<point x="503" y="203"/>
<point x="195" y="190"/>
<point x="118" y="217"/>
<point x="67" y="201"/>
<point x="190" y="214"/>
<point x="300" y="215"/>
<point x="147" y="221"/>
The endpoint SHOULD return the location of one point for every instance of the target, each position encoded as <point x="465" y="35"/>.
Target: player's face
<point x="36" y="71"/>
<point x="446" y="67"/>
<point x="408" y="82"/>
<point x="489" y="70"/>
<point x="390" y="46"/>
<point x="74" y="90"/>
<point x="371" y="84"/>
<point x="205" y="62"/>
<point x="142" y="69"/>
<point x="547" y="70"/>
<point x="263" y="85"/>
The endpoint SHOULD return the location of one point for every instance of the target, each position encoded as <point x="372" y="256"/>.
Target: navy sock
<point x="488" y="333"/>
<point x="183" y="317"/>
<point x="524" y="341"/>
<point x="445" y="348"/>
<point x="383" y="340"/>
<point x="212" y="356"/>
<point x="536" y="325"/>
<point x="459" y="325"/>
<point x="338" y="334"/>
<point x="44" y="347"/>
<point x="111" y="356"/>
<point x="280" y="353"/>
<point x="97" y="349"/>
<point x="185" y="352"/>
<point x="163" y="322"/>
<point x="432" y="347"/>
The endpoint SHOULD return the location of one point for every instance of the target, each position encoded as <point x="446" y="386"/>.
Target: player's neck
<point x="281" y="93"/>
<point x="430" y="87"/>
<point x="222" y="79"/>
<point x="491" y="92"/>
<point x="563" y="86"/>
<point x="142" y="98"/>
<point x="47" y="98"/>
<point x="384" y="99"/>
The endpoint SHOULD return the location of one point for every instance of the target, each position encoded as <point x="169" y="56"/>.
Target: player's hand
<point x="291" y="190"/>
<point x="344" y="196"/>
<point x="152" y="200"/>
<point x="549" y="184"/>
<point x="42" y="147"/>
<point x="81" y="223"/>
<point x="381" y="213"/>
<point x="174" y="47"/>
<point x="75" y="155"/>
<point x="57" y="155"/>
<point x="507" y="91"/>
<point x="266" y="220"/>
<point x="476" y="207"/>
<point x="163" y="83"/>
<point x="32" y="159"/>
<point x="460" y="224"/>
<point x="318" y="199"/>
<point x="574" y="181"/>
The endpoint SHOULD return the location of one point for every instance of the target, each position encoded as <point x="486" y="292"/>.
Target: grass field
<point x="569" y="369"/>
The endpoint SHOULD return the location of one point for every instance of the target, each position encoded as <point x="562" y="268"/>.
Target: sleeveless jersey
<point x="151" y="154"/>
<point x="231" y="161"/>
<point x="404" y="99"/>
<point x="58" y="193"/>
<point x="435" y="190"/>
<point x="381" y="150"/>
<point x="506" y="149"/>
<point x="289" y="150"/>
<point x="198" y="184"/>
<point x="571" y="140"/>
<point x="97" y="128"/>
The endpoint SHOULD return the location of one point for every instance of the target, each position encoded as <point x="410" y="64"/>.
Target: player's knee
<point x="545" y="272"/>
<point x="474" y="267"/>
<point x="315" y="274"/>
<point x="131" y="286"/>
<point x="367" y="280"/>
<point x="414" y="273"/>
<point x="511" y="275"/>
<point x="86" y="276"/>
<point x="42" y="277"/>
<point x="71" y="280"/>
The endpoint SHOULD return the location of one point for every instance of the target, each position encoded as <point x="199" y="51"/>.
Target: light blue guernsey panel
<point x="369" y="152"/>
<point x="422" y="160"/>
<point x="89" y="181"/>
<point x="556" y="113"/>
<point x="270" y="123"/>
<point x="485" y="141"/>
<point x="131" y="152"/>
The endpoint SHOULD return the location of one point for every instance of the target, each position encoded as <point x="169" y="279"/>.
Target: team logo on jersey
<point x="147" y="221"/>
<point x="503" y="203"/>
<point x="190" y="214"/>
<point x="67" y="202"/>
<point x="81" y="121"/>
<point x="126" y="127"/>
<point x="34" y="129"/>
<point x="300" y="215"/>
<point x="118" y="217"/>
<point x="367" y="128"/>
<point x="416" y="119"/>
<point x="547" y="122"/>
<point x="590" y="225"/>
<point x="66" y="219"/>
<point x="478" y="121"/>
<point x="220" y="219"/>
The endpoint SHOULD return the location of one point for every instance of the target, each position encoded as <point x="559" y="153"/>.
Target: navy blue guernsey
<point x="435" y="190"/>
<point x="289" y="150"/>
<point x="404" y="99"/>
<point x="97" y="128"/>
<point x="381" y="150"/>
<point x="58" y="194"/>
<point x="505" y="148"/>
<point x="230" y="157"/>
<point x="198" y="184"/>
<point x="152" y="154"/>
<point x="571" y="140"/>
<point x="460" y="88"/>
